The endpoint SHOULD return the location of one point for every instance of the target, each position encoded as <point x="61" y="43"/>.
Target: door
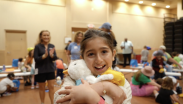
<point x="15" y="45"/>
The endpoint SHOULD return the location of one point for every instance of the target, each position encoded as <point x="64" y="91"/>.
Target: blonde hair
<point x="39" y="36"/>
<point x="77" y="34"/>
<point x="167" y="83"/>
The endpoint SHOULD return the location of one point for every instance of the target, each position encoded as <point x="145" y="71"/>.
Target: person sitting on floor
<point x="141" y="84"/>
<point x="177" y="89"/>
<point x="157" y="64"/>
<point x="166" y="95"/>
<point x="7" y="85"/>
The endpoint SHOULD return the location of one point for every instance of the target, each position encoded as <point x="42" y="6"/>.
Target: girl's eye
<point x="104" y="51"/>
<point x="90" y="54"/>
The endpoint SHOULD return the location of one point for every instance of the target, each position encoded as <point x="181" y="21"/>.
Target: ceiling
<point x="159" y="3"/>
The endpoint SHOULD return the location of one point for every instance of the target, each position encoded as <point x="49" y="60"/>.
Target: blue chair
<point x="15" y="63"/>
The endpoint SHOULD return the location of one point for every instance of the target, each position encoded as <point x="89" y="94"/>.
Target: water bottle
<point x="4" y="68"/>
<point x="24" y="69"/>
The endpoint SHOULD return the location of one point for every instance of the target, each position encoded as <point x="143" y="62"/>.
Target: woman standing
<point x="44" y="55"/>
<point x="74" y="48"/>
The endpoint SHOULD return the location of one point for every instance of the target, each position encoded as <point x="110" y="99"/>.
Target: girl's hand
<point x="79" y="94"/>
<point x="29" y="68"/>
<point x="51" y="52"/>
<point x="160" y="66"/>
<point x="116" y="93"/>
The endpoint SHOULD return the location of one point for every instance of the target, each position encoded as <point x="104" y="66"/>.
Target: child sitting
<point x="177" y="89"/>
<point x="175" y="57"/>
<point x="166" y="95"/>
<point x="7" y="85"/>
<point x="157" y="64"/>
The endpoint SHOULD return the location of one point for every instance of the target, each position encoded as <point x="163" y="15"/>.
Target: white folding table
<point x="6" y="66"/>
<point x="16" y="74"/>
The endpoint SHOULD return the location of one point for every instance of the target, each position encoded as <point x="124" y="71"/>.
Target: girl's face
<point x="98" y="56"/>
<point x="45" y="37"/>
<point x="159" y="57"/>
<point x="79" y="38"/>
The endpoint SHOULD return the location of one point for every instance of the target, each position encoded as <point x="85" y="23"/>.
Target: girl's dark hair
<point x="91" y="34"/>
<point x="10" y="75"/>
<point x="167" y="83"/>
<point x="20" y="59"/>
<point x="174" y="54"/>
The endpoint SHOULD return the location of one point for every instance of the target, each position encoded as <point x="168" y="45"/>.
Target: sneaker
<point x="32" y="87"/>
<point x="37" y="86"/>
<point x="7" y="94"/>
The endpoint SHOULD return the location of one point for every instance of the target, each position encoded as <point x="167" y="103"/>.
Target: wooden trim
<point x="39" y="3"/>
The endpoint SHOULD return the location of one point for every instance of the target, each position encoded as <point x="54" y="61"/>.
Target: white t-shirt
<point x="20" y="65"/>
<point x="4" y="83"/>
<point x="127" y="47"/>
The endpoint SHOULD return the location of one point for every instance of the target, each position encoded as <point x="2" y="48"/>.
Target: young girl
<point x="166" y="95"/>
<point x="98" y="52"/>
<point x="30" y="65"/>
<point x="157" y="64"/>
<point x="7" y="84"/>
<point x="141" y="84"/>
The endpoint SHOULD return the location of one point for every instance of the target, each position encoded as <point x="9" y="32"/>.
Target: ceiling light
<point x="168" y="6"/>
<point x="126" y="0"/>
<point x="153" y="4"/>
<point x="140" y="2"/>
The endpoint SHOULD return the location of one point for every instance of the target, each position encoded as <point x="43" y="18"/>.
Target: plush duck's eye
<point x="75" y="64"/>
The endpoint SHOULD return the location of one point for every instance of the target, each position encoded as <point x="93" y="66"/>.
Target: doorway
<point x="16" y="45"/>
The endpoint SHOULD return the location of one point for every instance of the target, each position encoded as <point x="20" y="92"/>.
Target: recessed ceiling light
<point x="168" y="6"/>
<point x="153" y="4"/>
<point x="140" y="2"/>
<point x="126" y="0"/>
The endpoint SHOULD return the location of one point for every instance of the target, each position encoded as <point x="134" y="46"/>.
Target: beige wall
<point x="33" y="18"/>
<point x="143" y="25"/>
<point x="174" y="11"/>
<point x="179" y="9"/>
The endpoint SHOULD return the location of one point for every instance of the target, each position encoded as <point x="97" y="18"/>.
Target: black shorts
<point x="42" y="77"/>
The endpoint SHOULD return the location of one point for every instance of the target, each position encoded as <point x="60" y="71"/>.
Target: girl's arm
<point x="25" y="64"/>
<point x="174" y="98"/>
<point x="154" y="84"/>
<point x="112" y="90"/>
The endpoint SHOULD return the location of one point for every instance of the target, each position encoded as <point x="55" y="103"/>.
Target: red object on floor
<point x="138" y="58"/>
